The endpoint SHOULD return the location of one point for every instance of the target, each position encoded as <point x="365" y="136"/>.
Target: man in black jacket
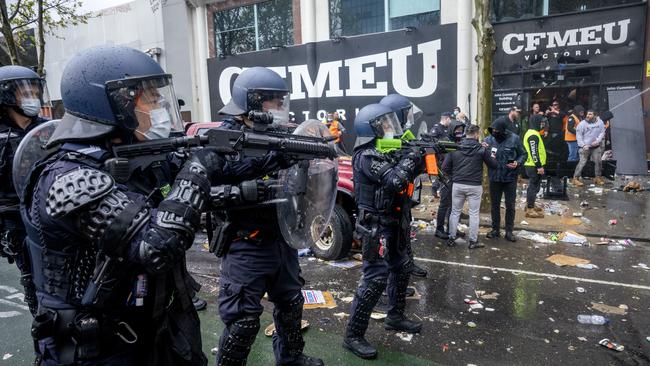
<point x="510" y="154"/>
<point x="466" y="167"/>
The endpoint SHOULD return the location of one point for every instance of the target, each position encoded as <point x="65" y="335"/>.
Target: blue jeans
<point x="573" y="150"/>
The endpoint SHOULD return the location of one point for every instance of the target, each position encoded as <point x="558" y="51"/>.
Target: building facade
<point x="343" y="54"/>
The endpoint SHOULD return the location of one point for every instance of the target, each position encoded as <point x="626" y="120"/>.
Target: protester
<point x="554" y="139"/>
<point x="465" y="165"/>
<point x="607" y="117"/>
<point x="513" y="119"/>
<point x="535" y="109"/>
<point x="572" y="121"/>
<point x="456" y="132"/>
<point x="590" y="134"/>
<point x="534" y="165"/>
<point x="509" y="152"/>
<point x="335" y="126"/>
<point x="462" y="117"/>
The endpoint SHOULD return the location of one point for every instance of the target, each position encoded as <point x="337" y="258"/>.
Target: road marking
<point x="11" y="303"/>
<point x="9" y="314"/>
<point x="541" y="274"/>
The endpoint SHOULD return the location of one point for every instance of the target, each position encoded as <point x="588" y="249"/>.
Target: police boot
<point x="418" y="271"/>
<point x="236" y="341"/>
<point x="510" y="236"/>
<point x="396" y="320"/>
<point x="493" y="234"/>
<point x="199" y="303"/>
<point x="441" y="234"/>
<point x="304" y="360"/>
<point x="358" y="324"/>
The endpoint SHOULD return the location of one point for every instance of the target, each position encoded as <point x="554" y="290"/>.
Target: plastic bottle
<point x="592" y="319"/>
<point x="587" y="266"/>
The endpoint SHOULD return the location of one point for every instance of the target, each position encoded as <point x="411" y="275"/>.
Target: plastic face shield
<point x="276" y="103"/>
<point x="149" y="104"/>
<point x="18" y="91"/>
<point x="387" y="126"/>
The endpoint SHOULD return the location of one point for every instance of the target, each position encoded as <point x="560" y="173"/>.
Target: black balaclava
<point x="498" y="128"/>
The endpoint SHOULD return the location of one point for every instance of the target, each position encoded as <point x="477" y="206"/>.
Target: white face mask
<point x="160" y="124"/>
<point x="30" y="106"/>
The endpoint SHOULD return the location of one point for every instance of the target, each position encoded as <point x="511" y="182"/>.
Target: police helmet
<point x="117" y="91"/>
<point x="259" y="89"/>
<point x="402" y="108"/>
<point x="23" y="89"/>
<point x="376" y="121"/>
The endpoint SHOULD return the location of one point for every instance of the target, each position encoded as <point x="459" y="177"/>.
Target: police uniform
<point x="256" y="257"/>
<point x="380" y="181"/>
<point x="108" y="248"/>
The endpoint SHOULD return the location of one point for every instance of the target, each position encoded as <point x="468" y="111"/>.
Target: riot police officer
<point x="256" y="258"/>
<point x="22" y="94"/>
<point x="380" y="179"/>
<point x="404" y="110"/>
<point x="108" y="244"/>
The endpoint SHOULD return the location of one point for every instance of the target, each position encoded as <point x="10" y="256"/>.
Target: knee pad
<point x="241" y="336"/>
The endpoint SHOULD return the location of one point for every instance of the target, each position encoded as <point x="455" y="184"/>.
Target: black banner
<point x="594" y="38"/>
<point x="346" y="74"/>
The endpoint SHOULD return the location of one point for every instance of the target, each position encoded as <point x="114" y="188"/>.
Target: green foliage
<point x="56" y="14"/>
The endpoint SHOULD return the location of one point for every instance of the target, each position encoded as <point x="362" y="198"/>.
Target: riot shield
<point x="31" y="150"/>
<point x="307" y="194"/>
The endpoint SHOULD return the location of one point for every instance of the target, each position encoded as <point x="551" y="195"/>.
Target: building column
<point x="645" y="98"/>
<point x="464" y="55"/>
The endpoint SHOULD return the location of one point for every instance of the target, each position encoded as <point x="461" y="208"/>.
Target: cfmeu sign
<point x="347" y="74"/>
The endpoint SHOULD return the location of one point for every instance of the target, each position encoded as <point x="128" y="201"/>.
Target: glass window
<point x="355" y="17"/>
<point x="253" y="27"/>
<point x="504" y="10"/>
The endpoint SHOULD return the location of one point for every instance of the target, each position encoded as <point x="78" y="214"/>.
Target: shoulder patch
<point x="75" y="189"/>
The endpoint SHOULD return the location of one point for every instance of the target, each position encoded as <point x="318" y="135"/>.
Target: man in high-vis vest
<point x="534" y="165"/>
<point x="570" y="124"/>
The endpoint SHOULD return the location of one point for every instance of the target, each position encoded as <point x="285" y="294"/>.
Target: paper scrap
<point x="607" y="309"/>
<point x="345" y="264"/>
<point x="315" y="299"/>
<point x="565" y="260"/>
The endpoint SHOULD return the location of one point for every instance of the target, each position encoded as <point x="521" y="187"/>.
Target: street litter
<point x="341" y="315"/>
<point x="271" y="328"/>
<point x="489" y="309"/>
<point x="597" y="191"/>
<point x="471" y="324"/>
<point x="642" y="266"/>
<point x="613" y="222"/>
<point x="647" y="339"/>
<point x="584" y="203"/>
<point x="538" y="238"/>
<point x="345" y="264"/>
<point x="468" y="301"/>
<point x="476" y="306"/>
<point x="347" y="299"/>
<point x="583" y="339"/>
<point x="524" y="222"/>
<point x="611" y="345"/>
<point x="378" y="316"/>
<point x="623" y="306"/>
<point x="577" y="214"/>
<point x="587" y="266"/>
<point x="407" y="337"/>
<point x="592" y="319"/>
<point x="607" y="309"/>
<point x="571" y="236"/>
<point x="580" y="289"/>
<point x="585" y="220"/>
<point x="485" y="296"/>
<point x="7" y="356"/>
<point x="315" y="299"/>
<point x="610" y="270"/>
<point x="633" y="186"/>
<point x="304" y="252"/>
<point x="486" y="278"/>
<point x="565" y="260"/>
<point x="358" y="256"/>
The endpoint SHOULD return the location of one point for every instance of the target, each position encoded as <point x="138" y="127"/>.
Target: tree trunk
<point x="41" y="39"/>
<point x="486" y="49"/>
<point x="12" y="50"/>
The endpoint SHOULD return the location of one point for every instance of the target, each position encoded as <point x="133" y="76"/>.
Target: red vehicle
<point x="337" y="240"/>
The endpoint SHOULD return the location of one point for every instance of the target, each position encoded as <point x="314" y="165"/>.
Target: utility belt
<point x="373" y="245"/>
<point x="226" y="233"/>
<point x="80" y="336"/>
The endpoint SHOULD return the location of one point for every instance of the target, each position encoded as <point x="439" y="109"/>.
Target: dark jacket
<point x="508" y="149"/>
<point x="439" y="131"/>
<point x="466" y="164"/>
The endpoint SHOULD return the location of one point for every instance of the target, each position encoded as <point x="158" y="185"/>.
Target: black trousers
<point x="498" y="190"/>
<point x="534" y="181"/>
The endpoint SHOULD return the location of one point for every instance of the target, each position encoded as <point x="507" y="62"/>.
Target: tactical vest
<point x="541" y="148"/>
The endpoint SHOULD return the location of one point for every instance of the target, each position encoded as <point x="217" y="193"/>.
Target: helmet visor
<point x="147" y="106"/>
<point x="27" y="94"/>
<point x="387" y="126"/>
<point x="277" y="104"/>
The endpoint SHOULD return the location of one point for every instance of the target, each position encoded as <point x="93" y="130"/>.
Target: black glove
<point x="414" y="155"/>
<point x="160" y="249"/>
<point x="210" y="159"/>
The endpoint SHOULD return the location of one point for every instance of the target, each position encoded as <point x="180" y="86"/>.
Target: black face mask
<point x="498" y="135"/>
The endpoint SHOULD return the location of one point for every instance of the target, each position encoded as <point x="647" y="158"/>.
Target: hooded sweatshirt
<point x="466" y="164"/>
